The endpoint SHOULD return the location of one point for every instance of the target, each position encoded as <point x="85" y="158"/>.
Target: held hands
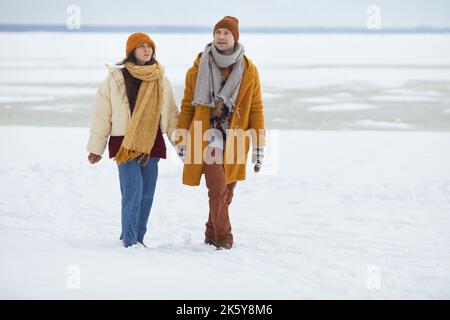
<point x="94" y="158"/>
<point x="178" y="142"/>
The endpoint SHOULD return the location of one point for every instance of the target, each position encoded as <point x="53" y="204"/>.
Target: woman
<point x="134" y="107"/>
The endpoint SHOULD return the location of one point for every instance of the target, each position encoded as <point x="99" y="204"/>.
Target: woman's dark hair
<point x="131" y="58"/>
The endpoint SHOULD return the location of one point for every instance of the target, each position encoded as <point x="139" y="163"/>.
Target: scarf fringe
<point x="124" y="155"/>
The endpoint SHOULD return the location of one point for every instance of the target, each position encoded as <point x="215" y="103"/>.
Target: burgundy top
<point x="132" y="86"/>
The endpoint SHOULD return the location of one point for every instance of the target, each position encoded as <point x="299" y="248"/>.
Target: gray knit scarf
<point x="209" y="88"/>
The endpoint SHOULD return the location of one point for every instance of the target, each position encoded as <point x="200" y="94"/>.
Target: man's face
<point x="224" y="40"/>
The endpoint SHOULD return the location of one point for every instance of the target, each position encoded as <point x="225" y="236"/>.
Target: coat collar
<point x="116" y="72"/>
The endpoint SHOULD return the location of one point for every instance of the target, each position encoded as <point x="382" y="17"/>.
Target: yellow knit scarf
<point x="143" y="127"/>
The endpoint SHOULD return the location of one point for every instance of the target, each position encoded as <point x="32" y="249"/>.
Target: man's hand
<point x="257" y="157"/>
<point x="94" y="158"/>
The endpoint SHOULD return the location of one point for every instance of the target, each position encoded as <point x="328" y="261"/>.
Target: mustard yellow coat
<point x="248" y="114"/>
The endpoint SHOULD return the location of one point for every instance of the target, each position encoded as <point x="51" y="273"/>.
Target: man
<point x="222" y="100"/>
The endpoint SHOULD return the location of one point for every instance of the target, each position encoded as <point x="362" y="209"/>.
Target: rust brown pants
<point x="220" y="194"/>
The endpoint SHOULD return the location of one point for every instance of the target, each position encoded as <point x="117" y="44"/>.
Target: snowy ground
<point x="354" y="214"/>
<point x="340" y="213"/>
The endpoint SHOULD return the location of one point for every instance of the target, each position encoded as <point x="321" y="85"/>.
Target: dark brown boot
<point x="224" y="245"/>
<point x="210" y="242"/>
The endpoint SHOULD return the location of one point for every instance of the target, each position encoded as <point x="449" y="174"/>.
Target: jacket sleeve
<point x="100" y="120"/>
<point x="256" y="117"/>
<point x="187" y="109"/>
<point x="173" y="114"/>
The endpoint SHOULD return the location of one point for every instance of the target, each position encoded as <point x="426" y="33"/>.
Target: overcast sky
<point x="251" y="13"/>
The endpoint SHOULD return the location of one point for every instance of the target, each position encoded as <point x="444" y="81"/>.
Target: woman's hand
<point x="94" y="158"/>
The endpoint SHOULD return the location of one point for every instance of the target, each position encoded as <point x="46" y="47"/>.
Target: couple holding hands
<point x="220" y="111"/>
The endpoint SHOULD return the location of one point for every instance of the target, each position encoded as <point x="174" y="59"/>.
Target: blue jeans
<point x="137" y="186"/>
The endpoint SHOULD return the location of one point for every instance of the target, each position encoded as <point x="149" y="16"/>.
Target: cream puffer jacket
<point x="112" y="114"/>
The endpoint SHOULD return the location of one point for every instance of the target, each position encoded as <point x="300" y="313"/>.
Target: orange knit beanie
<point x="137" y="39"/>
<point x="229" y="23"/>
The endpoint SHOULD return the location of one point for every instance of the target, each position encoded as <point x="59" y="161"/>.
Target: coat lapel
<point x="245" y="83"/>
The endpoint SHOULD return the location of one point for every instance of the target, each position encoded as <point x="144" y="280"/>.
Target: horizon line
<point x="206" y="29"/>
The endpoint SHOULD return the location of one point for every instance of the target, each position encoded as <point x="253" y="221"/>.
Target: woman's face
<point x="143" y="53"/>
